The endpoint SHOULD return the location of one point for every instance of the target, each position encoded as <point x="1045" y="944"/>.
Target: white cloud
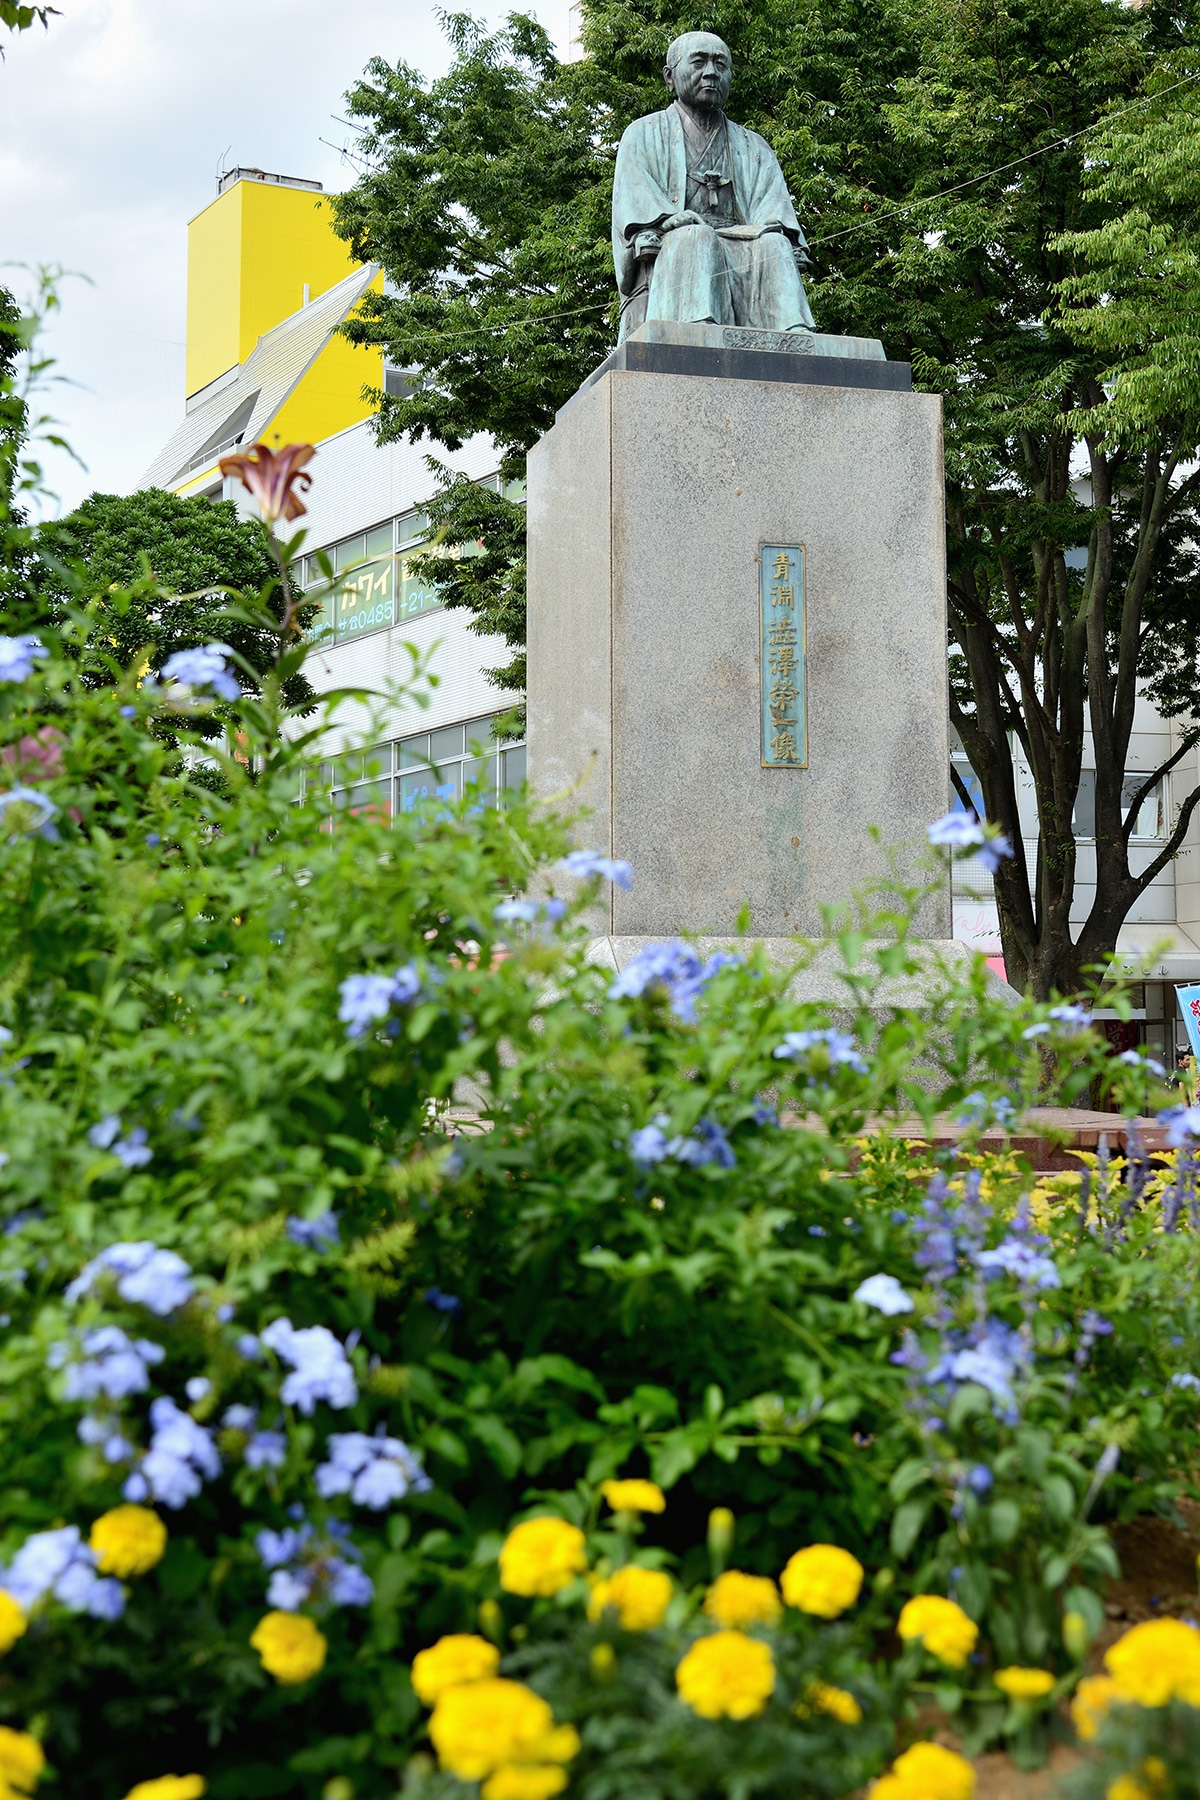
<point x="112" y="125"/>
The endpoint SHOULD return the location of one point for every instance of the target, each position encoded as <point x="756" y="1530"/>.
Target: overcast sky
<point x="112" y="126"/>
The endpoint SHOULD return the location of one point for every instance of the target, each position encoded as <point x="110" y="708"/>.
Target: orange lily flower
<point x="271" y="475"/>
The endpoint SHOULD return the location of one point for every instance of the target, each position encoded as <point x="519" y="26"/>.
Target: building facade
<point x="268" y="285"/>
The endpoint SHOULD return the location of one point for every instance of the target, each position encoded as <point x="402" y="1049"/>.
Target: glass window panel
<point x="481" y="770"/>
<point x="320" y="625"/>
<point x="411" y="525"/>
<point x="1084" y="822"/>
<point x="348" y="551"/>
<point x="1150" y="822"/>
<point x="346" y="769"/>
<point x="377" y="761"/>
<point x="414" y="751"/>
<point x="416" y="596"/>
<point x="514" y="490"/>
<point x="379" y="541"/>
<point x="445" y="743"/>
<point x="428" y="785"/>
<point x="479" y="731"/>
<point x="365" y="601"/>
<point x="373" y="797"/>
<point x="514" y="766"/>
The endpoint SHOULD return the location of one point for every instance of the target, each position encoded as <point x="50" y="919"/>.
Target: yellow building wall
<point x="250" y="255"/>
<point x="327" y="398"/>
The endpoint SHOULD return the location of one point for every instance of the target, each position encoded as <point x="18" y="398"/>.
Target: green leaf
<point x="501" y="1444"/>
<point x="674" y="1457"/>
<point x="906" y="1527"/>
<point x="1004" y="1520"/>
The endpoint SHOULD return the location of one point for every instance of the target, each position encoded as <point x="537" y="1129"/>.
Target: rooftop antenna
<point x="221" y="165"/>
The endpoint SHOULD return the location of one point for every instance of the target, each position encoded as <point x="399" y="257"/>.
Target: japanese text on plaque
<point x="781" y="597"/>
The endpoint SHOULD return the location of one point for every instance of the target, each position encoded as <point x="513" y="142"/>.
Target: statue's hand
<point x="675" y="220"/>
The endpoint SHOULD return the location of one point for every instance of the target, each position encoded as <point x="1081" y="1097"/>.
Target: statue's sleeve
<point x="766" y="197"/>
<point x="640" y="198"/>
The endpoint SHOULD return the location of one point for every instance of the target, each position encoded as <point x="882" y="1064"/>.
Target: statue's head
<point x="699" y="69"/>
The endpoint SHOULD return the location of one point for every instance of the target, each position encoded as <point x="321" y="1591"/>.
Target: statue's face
<point x="702" y="71"/>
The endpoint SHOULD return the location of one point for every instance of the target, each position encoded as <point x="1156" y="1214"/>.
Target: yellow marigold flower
<point x="1157" y="1662"/>
<point x="942" y="1626"/>
<point x="838" y="1702"/>
<point x="927" y="1772"/>
<point x="532" y="1781"/>
<point x="822" y="1580"/>
<point x="1143" y="1784"/>
<point x="721" y="1527"/>
<point x="735" y="1599"/>
<point x="290" y="1646"/>
<point x="12" y="1621"/>
<point x="1093" y="1697"/>
<point x="634" y="1496"/>
<point x="640" y="1596"/>
<point x="129" y="1540"/>
<point x="1023" y="1684"/>
<point x="727" y="1676"/>
<point x="22" y="1759"/>
<point x="542" y="1556"/>
<point x="603" y="1660"/>
<point x="486" y="1725"/>
<point x="168" y="1787"/>
<point x="452" y="1662"/>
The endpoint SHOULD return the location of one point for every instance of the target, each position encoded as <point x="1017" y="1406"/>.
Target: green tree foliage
<point x="19" y="17"/>
<point x="934" y="154"/>
<point x="165" y="560"/>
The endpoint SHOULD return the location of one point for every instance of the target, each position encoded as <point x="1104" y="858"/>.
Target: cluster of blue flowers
<point x="206" y="667"/>
<point x="263" y="1449"/>
<point x="529" y="912"/>
<point x="319" y="1365"/>
<point x="368" y="999"/>
<point x="706" y="1143"/>
<point x="1182" y="1125"/>
<point x="885" y="1294"/>
<point x="677" y="969"/>
<point x="586" y="863"/>
<point x="822" y="1051"/>
<point x="1066" y="1020"/>
<point x="24" y="812"/>
<point x="181" y="1457"/>
<point x="374" y="1471"/>
<point x="57" y="1564"/>
<point x="18" y="655"/>
<point x="963" y="831"/>
<point x="306" y="1567"/>
<point x="318" y="1234"/>
<point x="982" y="1111"/>
<point x="114" y="1365"/>
<point x="131" y="1149"/>
<point x="146" y="1276"/>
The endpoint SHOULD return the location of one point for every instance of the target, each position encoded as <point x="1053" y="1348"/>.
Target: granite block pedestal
<point x="651" y="503"/>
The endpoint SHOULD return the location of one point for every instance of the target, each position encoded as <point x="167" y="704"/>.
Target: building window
<point x="401" y="775"/>
<point x="1151" y="822"/>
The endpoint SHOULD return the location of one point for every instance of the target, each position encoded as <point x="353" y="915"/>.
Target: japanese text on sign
<point x="781" y="607"/>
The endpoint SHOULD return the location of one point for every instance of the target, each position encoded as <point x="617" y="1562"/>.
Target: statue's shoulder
<point x="650" y="125"/>
<point x="757" y="145"/>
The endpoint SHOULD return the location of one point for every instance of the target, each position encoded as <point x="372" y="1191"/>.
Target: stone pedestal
<point x="650" y="501"/>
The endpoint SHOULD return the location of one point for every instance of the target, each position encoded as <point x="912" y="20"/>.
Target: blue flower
<point x="1032" y="1268"/>
<point x="885" y="1294"/>
<point x="320" y="1233"/>
<point x="980" y="1479"/>
<point x="59" y="1564"/>
<point x="117" y="1365"/>
<point x="956" y="831"/>
<point x="127" y="712"/>
<point x="32" y="813"/>
<point x="1072" y="1019"/>
<point x="204" y="667"/>
<point x="368" y="998"/>
<point x="320" y="1368"/>
<point x="131" y="1150"/>
<point x="765" y="1114"/>
<point x="249" y="1347"/>
<point x="266" y="1450"/>
<point x="1182" y="1123"/>
<point x="1187" y="1381"/>
<point x="707" y="1143"/>
<point x="288" y="1591"/>
<point x="18" y="655"/>
<point x="305" y="1567"/>
<point x="275" y="1548"/>
<point x="677" y="969"/>
<point x="993" y="851"/>
<point x="1133" y="1059"/>
<point x="197" y="1388"/>
<point x="528" y="912"/>
<point x="239" y="1418"/>
<point x="146" y="1276"/>
<point x="374" y="1471"/>
<point x="348" y="1584"/>
<point x="590" y="862"/>
<point x="440" y="1302"/>
<point x="822" y="1050"/>
<point x="978" y="1109"/>
<point x="181" y="1457"/>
